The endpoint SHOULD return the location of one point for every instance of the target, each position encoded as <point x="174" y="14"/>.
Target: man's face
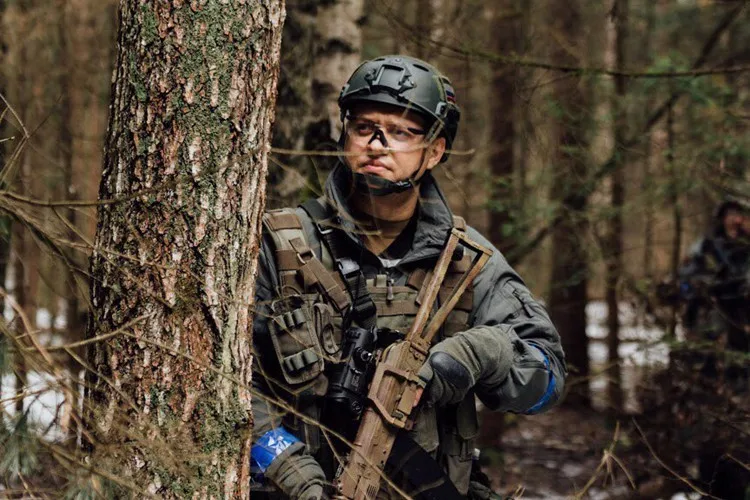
<point x="746" y="225"/>
<point x="735" y="223"/>
<point x="387" y="142"/>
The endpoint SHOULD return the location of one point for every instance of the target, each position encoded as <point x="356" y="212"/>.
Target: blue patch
<point x="548" y="393"/>
<point x="269" y="446"/>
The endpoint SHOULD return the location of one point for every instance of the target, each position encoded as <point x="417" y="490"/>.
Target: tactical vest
<point x="306" y="332"/>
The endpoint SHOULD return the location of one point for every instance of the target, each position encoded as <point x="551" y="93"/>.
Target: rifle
<point x="393" y="391"/>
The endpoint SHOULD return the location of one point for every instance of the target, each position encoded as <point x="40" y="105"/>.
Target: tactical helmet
<point x="408" y="83"/>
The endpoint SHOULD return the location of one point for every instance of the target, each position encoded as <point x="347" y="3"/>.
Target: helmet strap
<point x="377" y="186"/>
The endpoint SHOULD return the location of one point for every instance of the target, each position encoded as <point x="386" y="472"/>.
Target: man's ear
<point x="435" y="152"/>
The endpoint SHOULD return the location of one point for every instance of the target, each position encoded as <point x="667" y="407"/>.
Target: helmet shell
<point x="408" y="83"/>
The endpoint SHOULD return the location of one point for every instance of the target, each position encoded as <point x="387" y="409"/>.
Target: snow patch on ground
<point x="43" y="403"/>
<point x="641" y="350"/>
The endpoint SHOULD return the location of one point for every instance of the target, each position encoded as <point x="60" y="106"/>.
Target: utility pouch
<point x="295" y="340"/>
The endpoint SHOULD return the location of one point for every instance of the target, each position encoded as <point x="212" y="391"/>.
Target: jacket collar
<point x="433" y="225"/>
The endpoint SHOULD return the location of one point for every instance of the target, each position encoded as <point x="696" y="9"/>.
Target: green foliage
<point x="20" y="447"/>
<point x="90" y="487"/>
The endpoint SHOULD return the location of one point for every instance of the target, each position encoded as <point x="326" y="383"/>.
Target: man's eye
<point x="363" y="128"/>
<point x="400" y="133"/>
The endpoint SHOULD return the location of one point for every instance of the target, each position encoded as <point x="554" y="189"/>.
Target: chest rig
<point x="321" y="291"/>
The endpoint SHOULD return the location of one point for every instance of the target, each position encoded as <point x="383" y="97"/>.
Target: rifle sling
<point x="423" y="476"/>
<point x="363" y="309"/>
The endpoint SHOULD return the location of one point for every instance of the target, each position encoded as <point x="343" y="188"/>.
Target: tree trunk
<point x="569" y="275"/>
<point x="502" y="230"/>
<point x="322" y="41"/>
<point x="424" y="23"/>
<point x="174" y="267"/>
<point x="649" y="160"/>
<point x="72" y="284"/>
<point x="614" y="261"/>
<point x="5" y="153"/>
<point x="24" y="254"/>
<point x="674" y="202"/>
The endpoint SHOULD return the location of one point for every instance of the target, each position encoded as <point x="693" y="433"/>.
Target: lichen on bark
<point x="175" y="259"/>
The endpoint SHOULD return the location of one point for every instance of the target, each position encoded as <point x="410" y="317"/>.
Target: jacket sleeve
<point x="522" y="362"/>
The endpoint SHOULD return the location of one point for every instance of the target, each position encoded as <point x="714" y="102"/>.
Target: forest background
<point x="596" y="139"/>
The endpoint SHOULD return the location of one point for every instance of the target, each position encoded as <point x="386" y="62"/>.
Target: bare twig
<point x="661" y="462"/>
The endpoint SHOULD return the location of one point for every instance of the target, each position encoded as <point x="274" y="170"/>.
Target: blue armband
<point x="686" y="290"/>
<point x="269" y="446"/>
<point x="550" y="388"/>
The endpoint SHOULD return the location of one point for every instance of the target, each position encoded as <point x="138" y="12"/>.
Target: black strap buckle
<point x="348" y="267"/>
<point x="324" y="230"/>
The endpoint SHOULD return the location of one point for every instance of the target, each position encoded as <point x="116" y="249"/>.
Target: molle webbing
<point x="295" y="258"/>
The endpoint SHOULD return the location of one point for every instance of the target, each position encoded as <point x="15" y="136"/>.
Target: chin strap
<point x="377" y="186"/>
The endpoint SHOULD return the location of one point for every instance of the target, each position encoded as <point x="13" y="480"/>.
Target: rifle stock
<point x="393" y="392"/>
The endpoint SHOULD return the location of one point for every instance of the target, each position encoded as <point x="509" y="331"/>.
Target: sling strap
<point x="363" y="309"/>
<point x="294" y="256"/>
<point x="420" y="472"/>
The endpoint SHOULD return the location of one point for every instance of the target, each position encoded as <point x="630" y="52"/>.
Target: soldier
<point x="714" y="279"/>
<point x="355" y="260"/>
<point x="714" y="284"/>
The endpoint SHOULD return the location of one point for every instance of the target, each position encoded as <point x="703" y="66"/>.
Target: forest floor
<point x="554" y="455"/>
<point x="569" y="453"/>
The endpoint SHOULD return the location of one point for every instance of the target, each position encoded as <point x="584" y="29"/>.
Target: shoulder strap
<point x="293" y="254"/>
<point x="363" y="309"/>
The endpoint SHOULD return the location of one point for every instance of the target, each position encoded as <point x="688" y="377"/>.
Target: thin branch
<point x="667" y="467"/>
<point x="98" y="338"/>
<point x="85" y="203"/>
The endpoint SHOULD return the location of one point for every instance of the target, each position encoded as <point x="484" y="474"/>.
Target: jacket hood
<point x="435" y="218"/>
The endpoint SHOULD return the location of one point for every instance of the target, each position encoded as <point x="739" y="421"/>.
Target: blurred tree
<point x="570" y="268"/>
<point x="506" y="32"/>
<point x="614" y="248"/>
<point x="5" y="152"/>
<point x="321" y="47"/>
<point x="176" y="246"/>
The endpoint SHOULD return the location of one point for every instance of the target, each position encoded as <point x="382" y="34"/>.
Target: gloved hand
<point x="457" y="363"/>
<point x="297" y="474"/>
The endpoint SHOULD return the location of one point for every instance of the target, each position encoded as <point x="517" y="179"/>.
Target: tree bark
<point x="569" y="274"/>
<point x="174" y="261"/>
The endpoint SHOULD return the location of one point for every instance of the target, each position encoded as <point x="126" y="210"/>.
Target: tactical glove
<point x="297" y="474"/>
<point x="458" y="363"/>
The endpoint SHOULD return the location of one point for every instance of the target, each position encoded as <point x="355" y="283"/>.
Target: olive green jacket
<point x="514" y="345"/>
